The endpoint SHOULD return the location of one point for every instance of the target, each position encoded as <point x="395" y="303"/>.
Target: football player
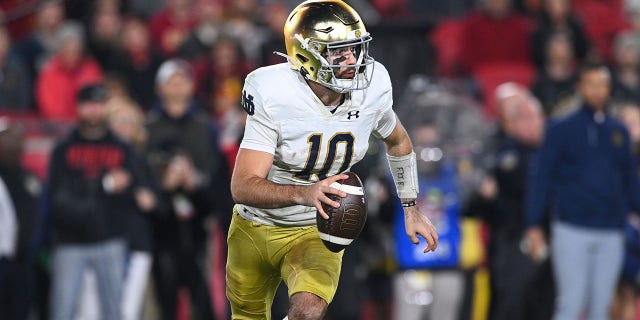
<point x="309" y="120"/>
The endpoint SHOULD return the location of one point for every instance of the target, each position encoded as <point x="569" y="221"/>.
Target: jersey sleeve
<point x="260" y="132"/>
<point x="385" y="124"/>
<point x="386" y="120"/>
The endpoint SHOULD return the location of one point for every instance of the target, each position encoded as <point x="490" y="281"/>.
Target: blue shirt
<point x="585" y="172"/>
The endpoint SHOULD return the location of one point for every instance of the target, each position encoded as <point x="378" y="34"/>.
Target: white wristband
<point x="405" y="175"/>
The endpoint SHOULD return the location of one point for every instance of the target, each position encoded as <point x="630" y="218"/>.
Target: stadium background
<point x="445" y="58"/>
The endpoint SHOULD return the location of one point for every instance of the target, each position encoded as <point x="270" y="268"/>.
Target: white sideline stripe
<point x="348" y="189"/>
<point x="334" y="239"/>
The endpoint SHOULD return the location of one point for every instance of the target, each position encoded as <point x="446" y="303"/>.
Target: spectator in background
<point x="437" y="178"/>
<point x="171" y="26"/>
<point x="42" y="43"/>
<point x="275" y="16"/>
<point x="554" y="84"/>
<point x="602" y="20"/>
<point x="520" y="285"/>
<point x="116" y="85"/>
<point x="443" y="125"/>
<point x="8" y="244"/>
<point x="62" y="77"/>
<point x="183" y="154"/>
<point x="633" y="14"/>
<point x="207" y="30"/>
<point x="625" y="77"/>
<point x="629" y="113"/>
<point x="495" y="35"/>
<point x="126" y="120"/>
<point x="82" y="10"/>
<point x="557" y="17"/>
<point x="243" y="17"/>
<point x="586" y="174"/>
<point x="229" y="119"/>
<point x="137" y="62"/>
<point x="223" y="73"/>
<point x="624" y="303"/>
<point x="145" y="7"/>
<point x="90" y="178"/>
<point x="15" y="85"/>
<point x="19" y="192"/>
<point x="104" y="28"/>
<point x="220" y="91"/>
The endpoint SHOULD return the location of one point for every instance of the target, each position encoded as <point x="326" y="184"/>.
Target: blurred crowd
<point x="130" y="110"/>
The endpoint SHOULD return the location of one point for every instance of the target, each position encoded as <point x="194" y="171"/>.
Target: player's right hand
<point x="316" y="194"/>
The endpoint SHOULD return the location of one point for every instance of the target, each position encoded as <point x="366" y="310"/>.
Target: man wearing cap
<point x="89" y="182"/>
<point x="183" y="153"/>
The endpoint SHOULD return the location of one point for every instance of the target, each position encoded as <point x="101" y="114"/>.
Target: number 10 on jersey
<point x="315" y="142"/>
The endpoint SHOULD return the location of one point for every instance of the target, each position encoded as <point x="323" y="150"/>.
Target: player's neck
<point x="326" y="95"/>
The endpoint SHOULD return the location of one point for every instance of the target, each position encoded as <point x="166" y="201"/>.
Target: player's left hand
<point x="416" y="224"/>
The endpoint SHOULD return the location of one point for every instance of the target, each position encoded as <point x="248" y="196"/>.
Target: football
<point x="345" y="222"/>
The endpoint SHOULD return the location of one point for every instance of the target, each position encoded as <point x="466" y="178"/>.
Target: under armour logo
<point x="353" y="114"/>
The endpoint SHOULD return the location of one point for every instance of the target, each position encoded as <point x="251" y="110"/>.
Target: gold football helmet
<point x="320" y="35"/>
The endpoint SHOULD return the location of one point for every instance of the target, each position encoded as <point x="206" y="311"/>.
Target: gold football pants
<point x="260" y="256"/>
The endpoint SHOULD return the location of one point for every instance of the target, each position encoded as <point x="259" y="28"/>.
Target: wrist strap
<point x="409" y="204"/>
<point x="405" y="175"/>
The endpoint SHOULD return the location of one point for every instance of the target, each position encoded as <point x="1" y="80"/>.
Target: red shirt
<point x="168" y="32"/>
<point x="602" y="21"/>
<point x="488" y="40"/>
<point x="57" y="85"/>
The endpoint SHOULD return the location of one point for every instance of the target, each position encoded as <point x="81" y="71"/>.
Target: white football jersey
<point x="308" y="141"/>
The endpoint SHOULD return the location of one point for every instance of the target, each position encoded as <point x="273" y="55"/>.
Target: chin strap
<point x="304" y="43"/>
<point x="289" y="59"/>
<point x="295" y="63"/>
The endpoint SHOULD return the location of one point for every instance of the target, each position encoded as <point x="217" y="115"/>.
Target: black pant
<point x="16" y="289"/>
<point x="520" y="287"/>
<point x="173" y="270"/>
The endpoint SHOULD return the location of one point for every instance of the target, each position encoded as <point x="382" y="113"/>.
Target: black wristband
<point x="409" y="204"/>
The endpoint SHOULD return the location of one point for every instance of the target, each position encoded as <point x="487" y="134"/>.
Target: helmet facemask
<point x="332" y="56"/>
